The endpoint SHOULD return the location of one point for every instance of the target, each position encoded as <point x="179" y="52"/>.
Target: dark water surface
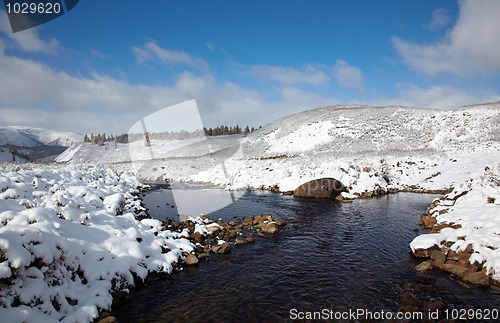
<point x="332" y="256"/>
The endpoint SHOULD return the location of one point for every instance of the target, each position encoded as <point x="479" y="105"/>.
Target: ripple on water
<point x="338" y="257"/>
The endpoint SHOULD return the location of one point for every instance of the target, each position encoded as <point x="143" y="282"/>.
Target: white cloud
<point x="74" y="121"/>
<point x="28" y="40"/>
<point x="151" y="51"/>
<point x="210" y="47"/>
<point x="34" y="94"/>
<point x="98" y="54"/>
<point x="439" y="97"/>
<point x="288" y="75"/>
<point x="347" y="75"/>
<point x="471" y="47"/>
<point x="299" y="100"/>
<point x="439" y="19"/>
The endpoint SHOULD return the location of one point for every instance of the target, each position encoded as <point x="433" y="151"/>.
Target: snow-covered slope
<point x="354" y="130"/>
<point x="36" y="137"/>
<point x="338" y="131"/>
<point x="407" y="146"/>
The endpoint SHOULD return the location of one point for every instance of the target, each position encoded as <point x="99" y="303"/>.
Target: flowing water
<point x="330" y="256"/>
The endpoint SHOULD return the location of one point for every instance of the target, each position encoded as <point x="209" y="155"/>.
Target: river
<point x="331" y="256"/>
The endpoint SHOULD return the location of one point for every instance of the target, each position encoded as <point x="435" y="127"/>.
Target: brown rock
<point x="438" y="264"/>
<point x="424" y="266"/>
<point x="280" y="222"/>
<point x="432" y="306"/>
<point x="250" y="239"/>
<point x="424" y="253"/>
<point x="262" y="218"/>
<point x="478" y="278"/>
<point x="463" y="258"/>
<point x="225" y="247"/>
<point x="203" y="255"/>
<point x="409" y="299"/>
<point x="367" y="195"/>
<point x="119" y="294"/>
<point x="269" y="228"/>
<point x="438" y="256"/>
<point x="320" y="188"/>
<point x="231" y="234"/>
<point x="456" y="269"/>
<point x="213" y="229"/>
<point x="191" y="260"/>
<point x="342" y="199"/>
<point x="452" y="255"/>
<point x="240" y="241"/>
<point x="74" y="302"/>
<point x="428" y="221"/>
<point x="197" y="236"/>
<point x="421" y="288"/>
<point x="108" y="319"/>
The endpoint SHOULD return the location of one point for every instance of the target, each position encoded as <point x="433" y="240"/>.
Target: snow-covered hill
<point x="338" y="131"/>
<point x="354" y="130"/>
<point x="36" y="137"/>
<point x="324" y="142"/>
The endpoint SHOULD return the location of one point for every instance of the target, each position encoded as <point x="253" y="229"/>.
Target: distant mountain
<point x="36" y="137"/>
<point x="34" y="144"/>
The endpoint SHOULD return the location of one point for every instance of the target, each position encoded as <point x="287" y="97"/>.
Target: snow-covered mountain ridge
<point x="36" y="137"/>
<point x="348" y="131"/>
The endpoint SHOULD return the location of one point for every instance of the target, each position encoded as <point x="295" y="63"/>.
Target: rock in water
<point x="224" y="248"/>
<point x="269" y="228"/>
<point x="424" y="266"/>
<point x="477" y="278"/>
<point x="320" y="188"/>
<point x="191" y="260"/>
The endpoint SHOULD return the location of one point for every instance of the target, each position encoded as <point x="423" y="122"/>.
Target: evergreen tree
<point x="147" y="141"/>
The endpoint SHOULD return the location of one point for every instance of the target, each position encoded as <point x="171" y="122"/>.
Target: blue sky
<point x="104" y="65"/>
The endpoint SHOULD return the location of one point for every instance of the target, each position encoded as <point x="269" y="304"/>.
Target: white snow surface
<point x="69" y="237"/>
<point x="478" y="213"/>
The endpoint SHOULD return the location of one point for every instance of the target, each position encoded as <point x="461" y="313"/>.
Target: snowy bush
<point x="64" y="249"/>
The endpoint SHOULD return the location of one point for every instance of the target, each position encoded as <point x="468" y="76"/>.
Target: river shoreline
<point x="210" y="237"/>
<point x="408" y="292"/>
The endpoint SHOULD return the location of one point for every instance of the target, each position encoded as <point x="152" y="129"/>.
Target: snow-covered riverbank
<point x="69" y="236"/>
<point x="465" y="224"/>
